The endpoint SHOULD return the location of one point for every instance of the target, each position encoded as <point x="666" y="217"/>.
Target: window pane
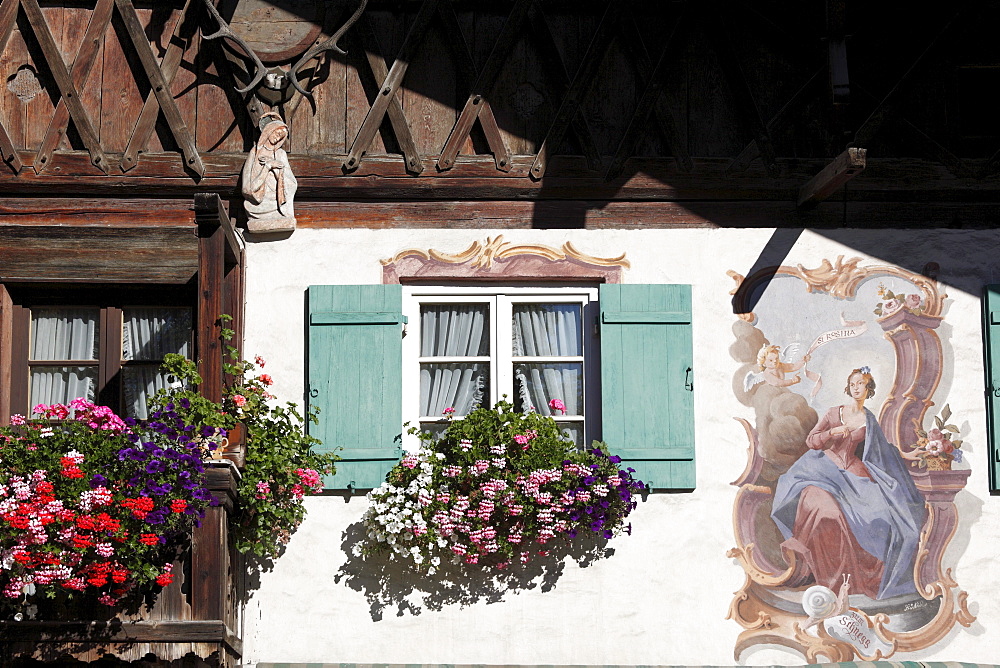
<point x="150" y="333"/>
<point x="547" y="330"/>
<point x="454" y="330"/>
<point x="60" y="385"/>
<point x="573" y="431"/>
<point x="437" y="429"/>
<point x="139" y="383"/>
<point x="459" y="386"/>
<point x="537" y="384"/>
<point x="61" y="333"/>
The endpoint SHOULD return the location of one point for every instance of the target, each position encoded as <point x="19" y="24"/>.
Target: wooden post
<point x="6" y="333"/>
<point x="210" y="551"/>
<point x="844" y="167"/>
<point x="211" y="250"/>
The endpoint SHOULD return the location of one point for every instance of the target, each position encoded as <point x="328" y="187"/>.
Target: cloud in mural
<point x="783" y="418"/>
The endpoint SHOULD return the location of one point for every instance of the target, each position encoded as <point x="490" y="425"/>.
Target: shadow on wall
<point x="388" y="584"/>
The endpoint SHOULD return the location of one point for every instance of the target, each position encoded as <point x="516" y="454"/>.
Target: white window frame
<point x="501" y="359"/>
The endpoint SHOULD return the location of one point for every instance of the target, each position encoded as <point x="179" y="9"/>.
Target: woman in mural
<point x="848" y="505"/>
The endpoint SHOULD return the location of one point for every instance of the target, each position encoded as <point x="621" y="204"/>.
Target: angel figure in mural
<point x="848" y="506"/>
<point x="268" y="183"/>
<point x="773" y="364"/>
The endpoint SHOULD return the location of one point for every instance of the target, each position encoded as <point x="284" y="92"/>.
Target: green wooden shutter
<point x="647" y="397"/>
<point x="991" y="335"/>
<point x="355" y="378"/>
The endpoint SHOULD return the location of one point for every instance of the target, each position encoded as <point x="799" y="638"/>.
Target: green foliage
<point x="281" y="466"/>
<point x="495" y="488"/>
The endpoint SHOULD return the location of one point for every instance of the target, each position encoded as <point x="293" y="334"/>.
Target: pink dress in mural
<point x="849" y="506"/>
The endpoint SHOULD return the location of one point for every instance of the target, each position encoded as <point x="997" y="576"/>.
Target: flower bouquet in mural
<point x="280" y="466"/>
<point x="936" y="449"/>
<point x="891" y="302"/>
<point x="93" y="504"/>
<point x="496" y="489"/>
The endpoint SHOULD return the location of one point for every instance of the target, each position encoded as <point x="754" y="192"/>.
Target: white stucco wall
<point x="662" y="598"/>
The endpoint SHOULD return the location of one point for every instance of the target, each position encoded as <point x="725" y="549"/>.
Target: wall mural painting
<point x="846" y="505"/>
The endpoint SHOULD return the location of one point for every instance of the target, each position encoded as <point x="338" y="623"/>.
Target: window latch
<point x="688" y="382"/>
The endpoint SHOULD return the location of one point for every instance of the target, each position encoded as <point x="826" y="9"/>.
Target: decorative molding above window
<point x="499" y="259"/>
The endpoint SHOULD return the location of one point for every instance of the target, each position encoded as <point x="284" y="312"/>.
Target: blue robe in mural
<point x="885" y="512"/>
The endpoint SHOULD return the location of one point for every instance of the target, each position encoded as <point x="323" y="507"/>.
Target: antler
<point x="226" y="31"/>
<point x="328" y="45"/>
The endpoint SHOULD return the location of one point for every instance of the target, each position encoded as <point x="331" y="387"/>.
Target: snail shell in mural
<point x="819" y="602"/>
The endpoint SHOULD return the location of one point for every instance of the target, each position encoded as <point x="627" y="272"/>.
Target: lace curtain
<point x="453" y="330"/>
<point x="548" y="330"/>
<point x="67" y="333"/>
<point x="63" y="334"/>
<point x="149" y="334"/>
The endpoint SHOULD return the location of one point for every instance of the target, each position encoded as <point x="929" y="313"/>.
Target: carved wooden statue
<point x="268" y="183"/>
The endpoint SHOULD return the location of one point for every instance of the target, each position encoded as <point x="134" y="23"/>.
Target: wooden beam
<point x="86" y="56"/>
<point x="6" y="350"/>
<point x="483" y="88"/>
<point x="582" y="81"/>
<point x="467" y="64"/>
<point x="160" y="87"/>
<point x="844" y="167"/>
<point x="651" y="100"/>
<point x="116" y="631"/>
<point x="884" y="109"/>
<point x="752" y="152"/>
<point x="836" y="25"/>
<point x="53" y="252"/>
<point x="64" y="81"/>
<point x="390" y="85"/>
<point x="211" y="268"/>
<point x="8" y="150"/>
<point x="556" y="65"/>
<point x="373" y="54"/>
<point x="738" y="84"/>
<point x="205" y="202"/>
<point x="179" y="42"/>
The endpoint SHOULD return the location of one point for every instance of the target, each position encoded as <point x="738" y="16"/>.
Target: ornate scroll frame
<point x="499" y="259"/>
<point x="918" y="373"/>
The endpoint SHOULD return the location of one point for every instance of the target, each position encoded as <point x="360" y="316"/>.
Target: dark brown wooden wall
<point x="731" y="73"/>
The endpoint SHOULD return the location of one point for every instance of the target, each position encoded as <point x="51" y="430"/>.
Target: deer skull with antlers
<point x="274" y="78"/>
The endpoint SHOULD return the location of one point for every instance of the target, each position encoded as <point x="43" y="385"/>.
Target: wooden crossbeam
<point x="8" y="151"/>
<point x="488" y="122"/>
<point x="390" y="85"/>
<point x="741" y="90"/>
<point x="844" y="167"/>
<point x="370" y="45"/>
<point x="160" y="87"/>
<point x="751" y="152"/>
<point x="928" y="145"/>
<point x="485" y="82"/>
<point x="651" y="101"/>
<point x="874" y="122"/>
<point x="143" y="130"/>
<point x="836" y="24"/>
<point x="86" y="56"/>
<point x="556" y="65"/>
<point x="64" y="81"/>
<point x="578" y="88"/>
